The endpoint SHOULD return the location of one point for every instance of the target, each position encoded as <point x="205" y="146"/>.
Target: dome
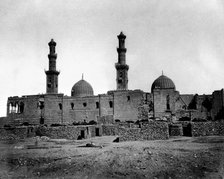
<point x="81" y="89"/>
<point x="163" y="82"/>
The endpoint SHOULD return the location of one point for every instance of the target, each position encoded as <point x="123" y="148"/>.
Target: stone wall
<point x="207" y="128"/>
<point x="129" y="134"/>
<point x="17" y="132"/>
<point x="152" y="130"/>
<point x="160" y="97"/>
<point x="126" y="104"/>
<point x="108" y="130"/>
<point x="31" y="112"/>
<point x="69" y="132"/>
<point x="109" y="119"/>
<point x="175" y="130"/>
<point x="3" y="121"/>
<point x="155" y="130"/>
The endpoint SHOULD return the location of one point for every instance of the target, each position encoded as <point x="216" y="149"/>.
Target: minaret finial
<point x="82" y="76"/>
<point x="162" y="72"/>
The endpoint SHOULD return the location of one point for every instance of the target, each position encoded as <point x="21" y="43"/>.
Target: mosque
<point x="164" y="102"/>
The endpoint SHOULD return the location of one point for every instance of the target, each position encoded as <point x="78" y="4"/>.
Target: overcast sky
<point x="183" y="38"/>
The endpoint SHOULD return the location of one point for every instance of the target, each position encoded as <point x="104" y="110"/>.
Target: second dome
<point x="81" y="89"/>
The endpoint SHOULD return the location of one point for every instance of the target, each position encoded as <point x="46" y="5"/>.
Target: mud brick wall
<point x="108" y="130"/>
<point x="3" y="121"/>
<point x="68" y="132"/>
<point x="131" y="134"/>
<point x="154" y="130"/>
<point x="175" y="130"/>
<point x="148" y="131"/>
<point x="207" y="128"/>
<point x="18" y="132"/>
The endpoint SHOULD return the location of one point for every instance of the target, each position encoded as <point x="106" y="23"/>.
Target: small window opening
<point x="168" y="102"/>
<point x="72" y="105"/>
<point x="111" y="104"/>
<point x="10" y="107"/>
<point x="49" y="85"/>
<point x="129" y="98"/>
<point x="84" y="104"/>
<point x="41" y="104"/>
<point x="97" y="105"/>
<point x="21" y="107"/>
<point x="17" y="107"/>
<point x="60" y="106"/>
<point x="82" y="134"/>
<point x="41" y="120"/>
<point x="97" y="132"/>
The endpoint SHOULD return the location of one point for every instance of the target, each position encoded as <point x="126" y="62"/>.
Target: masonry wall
<point x="218" y="102"/>
<point x="69" y="132"/>
<point x="160" y="102"/>
<point x="80" y="109"/>
<point x="175" y="130"/>
<point x="149" y="131"/>
<point x="31" y="112"/>
<point x="207" y="128"/>
<point x="126" y="105"/>
<point x="52" y="112"/>
<point x="108" y="130"/>
<point x="17" y="132"/>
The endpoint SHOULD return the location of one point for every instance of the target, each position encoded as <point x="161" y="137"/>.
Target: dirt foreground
<point x="201" y="157"/>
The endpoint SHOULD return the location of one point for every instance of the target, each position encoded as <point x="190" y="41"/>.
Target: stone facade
<point x="163" y="103"/>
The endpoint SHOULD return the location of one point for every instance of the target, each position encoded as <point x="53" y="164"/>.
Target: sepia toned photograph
<point x="112" y="89"/>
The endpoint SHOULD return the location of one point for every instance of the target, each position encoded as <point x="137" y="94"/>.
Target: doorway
<point x="41" y="120"/>
<point x="82" y="134"/>
<point x="187" y="130"/>
<point x="97" y="132"/>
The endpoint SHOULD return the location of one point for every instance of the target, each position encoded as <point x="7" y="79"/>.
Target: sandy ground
<point x="180" y="157"/>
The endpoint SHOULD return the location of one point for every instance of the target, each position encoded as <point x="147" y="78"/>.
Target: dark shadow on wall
<point x="187" y="130"/>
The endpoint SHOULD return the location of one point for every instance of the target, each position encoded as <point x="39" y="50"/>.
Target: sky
<point x="184" y="39"/>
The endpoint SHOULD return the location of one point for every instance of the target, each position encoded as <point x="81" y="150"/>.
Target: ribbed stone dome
<point x="163" y="82"/>
<point x="81" y="89"/>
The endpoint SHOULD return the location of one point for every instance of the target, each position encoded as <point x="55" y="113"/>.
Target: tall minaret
<point x="121" y="66"/>
<point x="52" y="73"/>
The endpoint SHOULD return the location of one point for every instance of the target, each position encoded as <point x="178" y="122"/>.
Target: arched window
<point x="97" y="105"/>
<point x="41" y="104"/>
<point x="111" y="104"/>
<point x="168" y="102"/>
<point x="10" y="107"/>
<point x="60" y="106"/>
<point x="21" y="107"/>
<point x="72" y="105"/>
<point x="16" y="107"/>
<point x="84" y="104"/>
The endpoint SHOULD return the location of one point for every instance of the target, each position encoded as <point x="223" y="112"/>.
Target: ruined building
<point x="164" y="102"/>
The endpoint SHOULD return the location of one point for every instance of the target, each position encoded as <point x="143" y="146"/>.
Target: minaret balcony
<point x="119" y="66"/>
<point x="52" y="72"/>
<point x="54" y="55"/>
<point x="119" y="50"/>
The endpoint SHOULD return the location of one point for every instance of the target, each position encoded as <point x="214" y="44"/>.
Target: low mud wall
<point x="70" y="132"/>
<point x="207" y="128"/>
<point x="108" y="130"/>
<point x="175" y="130"/>
<point x="20" y="132"/>
<point x="149" y="131"/>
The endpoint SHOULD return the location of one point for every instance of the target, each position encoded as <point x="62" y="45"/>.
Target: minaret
<point x="121" y="66"/>
<point x="52" y="73"/>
